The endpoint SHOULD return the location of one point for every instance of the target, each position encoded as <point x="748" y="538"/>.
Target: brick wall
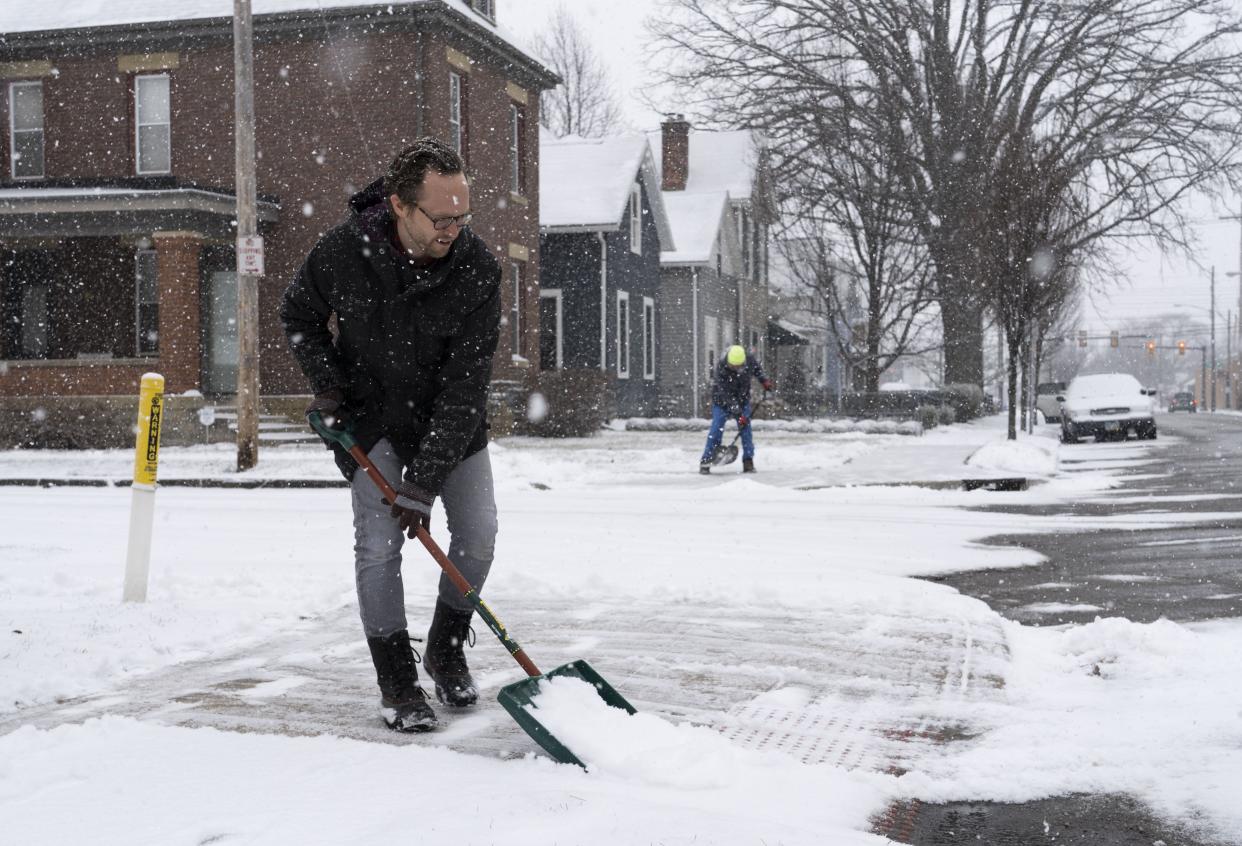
<point x="330" y="116"/>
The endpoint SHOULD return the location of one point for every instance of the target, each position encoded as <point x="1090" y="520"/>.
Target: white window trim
<point x="13" y="130"/>
<point x="515" y="149"/>
<point x="138" y="124"/>
<point x="649" y="365"/>
<point x="636" y="219"/>
<point x="623" y="337"/>
<point x="711" y="344"/>
<point x="555" y="293"/>
<point x="456" y="124"/>
<point x="516" y="274"/>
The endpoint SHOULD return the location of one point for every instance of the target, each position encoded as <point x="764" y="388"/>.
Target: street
<point x="1186" y="573"/>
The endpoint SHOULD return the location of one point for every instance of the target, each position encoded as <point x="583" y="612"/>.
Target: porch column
<point x="178" y="277"/>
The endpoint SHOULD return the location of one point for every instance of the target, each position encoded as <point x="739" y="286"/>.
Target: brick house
<point x="714" y="281"/>
<point x="116" y="198"/>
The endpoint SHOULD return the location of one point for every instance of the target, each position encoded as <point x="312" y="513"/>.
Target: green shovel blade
<point x="517" y="696"/>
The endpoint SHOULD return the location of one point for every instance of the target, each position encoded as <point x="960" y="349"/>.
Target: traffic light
<point x="1181" y="347"/>
<point x="1114" y="339"/>
<point x="1082" y="337"/>
<point x="1151" y="348"/>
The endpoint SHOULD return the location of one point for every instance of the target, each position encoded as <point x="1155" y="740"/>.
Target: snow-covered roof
<point x="18" y="16"/>
<point x="722" y="168"/>
<point x="584" y="183"/>
<point x="721" y="161"/>
<point x="695" y="220"/>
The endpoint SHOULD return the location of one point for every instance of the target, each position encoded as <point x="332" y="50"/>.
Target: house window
<point x="457" y="113"/>
<point x="146" y="304"/>
<point x="34" y="321"/>
<point x="26" y="129"/>
<point x="152" y="124"/>
<point x="720" y="252"/>
<point x="515" y="314"/>
<point x="636" y="219"/>
<point x="486" y="8"/>
<point x="623" y="335"/>
<point x="516" y="123"/>
<point x="649" y="366"/>
<point x="551" y="318"/>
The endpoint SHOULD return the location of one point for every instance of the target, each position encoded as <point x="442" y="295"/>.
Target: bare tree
<point x="1136" y="98"/>
<point x="853" y="247"/>
<point x="584" y="103"/>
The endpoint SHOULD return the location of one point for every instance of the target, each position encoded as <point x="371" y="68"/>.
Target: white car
<point x="1107" y="405"/>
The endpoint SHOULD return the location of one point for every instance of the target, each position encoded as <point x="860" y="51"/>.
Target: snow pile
<point x="1153" y="710"/>
<point x="1027" y="456"/>
<point x="826" y="426"/>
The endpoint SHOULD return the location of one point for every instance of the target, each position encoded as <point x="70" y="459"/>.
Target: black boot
<point x="446" y="658"/>
<point x="748" y="465"/>
<point x="403" y="704"/>
<point x="705" y="467"/>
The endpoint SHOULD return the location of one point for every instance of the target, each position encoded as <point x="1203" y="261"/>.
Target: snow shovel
<point x="728" y="454"/>
<point x="514" y="697"/>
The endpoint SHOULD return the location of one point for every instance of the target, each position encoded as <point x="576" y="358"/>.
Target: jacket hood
<point x="368" y="197"/>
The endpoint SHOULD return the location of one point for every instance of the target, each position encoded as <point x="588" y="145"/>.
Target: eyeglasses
<point x="441" y="223"/>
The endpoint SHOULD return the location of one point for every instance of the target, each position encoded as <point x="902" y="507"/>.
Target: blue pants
<point x="470" y="507"/>
<point x="719" y="416"/>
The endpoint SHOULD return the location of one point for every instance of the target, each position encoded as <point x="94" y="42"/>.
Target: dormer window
<point x="486" y="8"/>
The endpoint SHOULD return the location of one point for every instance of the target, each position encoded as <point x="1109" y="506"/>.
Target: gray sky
<point x="1154" y="282"/>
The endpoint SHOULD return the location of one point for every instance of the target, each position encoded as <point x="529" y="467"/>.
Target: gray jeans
<point x="469" y="502"/>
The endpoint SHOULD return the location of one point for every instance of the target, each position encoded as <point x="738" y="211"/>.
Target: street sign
<point x="250" y="256"/>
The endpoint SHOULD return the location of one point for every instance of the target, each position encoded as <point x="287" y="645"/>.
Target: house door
<point x="551" y="352"/>
<point x="220" y="358"/>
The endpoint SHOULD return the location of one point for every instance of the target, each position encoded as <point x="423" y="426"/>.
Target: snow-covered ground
<point x="765" y="624"/>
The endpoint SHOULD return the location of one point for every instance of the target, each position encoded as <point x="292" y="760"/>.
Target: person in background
<point x="416" y="300"/>
<point x="731" y="398"/>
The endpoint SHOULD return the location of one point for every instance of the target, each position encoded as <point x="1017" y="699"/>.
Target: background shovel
<point x="514" y="697"/>
<point x="728" y="454"/>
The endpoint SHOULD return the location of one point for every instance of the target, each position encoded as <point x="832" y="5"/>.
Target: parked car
<point x="1047" y="400"/>
<point x="1183" y="401"/>
<point x="1107" y="405"/>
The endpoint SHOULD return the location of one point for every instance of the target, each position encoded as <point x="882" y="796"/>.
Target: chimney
<point x="674" y="153"/>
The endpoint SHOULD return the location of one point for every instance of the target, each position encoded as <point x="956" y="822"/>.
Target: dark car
<point x="1183" y="401"/>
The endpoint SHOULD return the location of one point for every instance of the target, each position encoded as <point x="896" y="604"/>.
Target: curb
<point x="246" y="484"/>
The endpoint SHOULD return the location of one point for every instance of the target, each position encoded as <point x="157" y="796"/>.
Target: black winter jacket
<point x="731" y="388"/>
<point x="413" y="347"/>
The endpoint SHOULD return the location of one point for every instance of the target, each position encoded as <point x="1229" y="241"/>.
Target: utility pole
<point x="248" y="270"/>
<point x="1229" y="359"/>
<point x="1213" y="338"/>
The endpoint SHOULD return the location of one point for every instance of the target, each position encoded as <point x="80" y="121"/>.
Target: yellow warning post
<point x="142" y="504"/>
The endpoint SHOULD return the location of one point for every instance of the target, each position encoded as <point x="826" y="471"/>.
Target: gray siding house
<point x="714" y="286"/>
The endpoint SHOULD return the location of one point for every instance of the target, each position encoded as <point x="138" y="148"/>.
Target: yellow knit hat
<point x="736" y="356"/>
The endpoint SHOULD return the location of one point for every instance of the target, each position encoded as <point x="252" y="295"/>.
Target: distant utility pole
<point x="1213" y="337"/>
<point x="248" y="268"/>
